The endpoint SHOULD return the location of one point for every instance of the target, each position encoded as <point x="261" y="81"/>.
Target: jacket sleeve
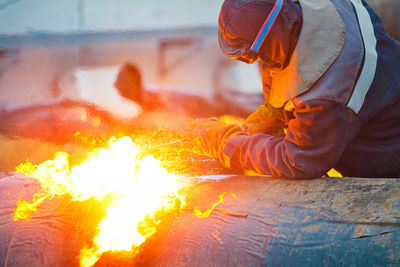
<point x="316" y="137"/>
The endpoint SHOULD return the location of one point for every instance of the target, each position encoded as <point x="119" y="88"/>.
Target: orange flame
<point x="139" y="186"/>
<point x="199" y="214"/>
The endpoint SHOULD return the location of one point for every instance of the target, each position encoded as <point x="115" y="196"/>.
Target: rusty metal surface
<point x="327" y="221"/>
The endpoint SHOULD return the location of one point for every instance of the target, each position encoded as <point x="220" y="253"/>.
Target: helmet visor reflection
<point x="238" y="51"/>
<point x="231" y="51"/>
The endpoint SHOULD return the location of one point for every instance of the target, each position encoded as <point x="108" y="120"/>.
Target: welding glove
<point x="266" y="119"/>
<point x="209" y="137"/>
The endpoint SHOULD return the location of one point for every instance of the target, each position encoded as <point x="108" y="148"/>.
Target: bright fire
<point x="137" y="187"/>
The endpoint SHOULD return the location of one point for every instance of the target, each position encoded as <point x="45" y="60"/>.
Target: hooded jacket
<point x="340" y="92"/>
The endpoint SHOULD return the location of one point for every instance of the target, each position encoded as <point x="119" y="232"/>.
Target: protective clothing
<point x="209" y="136"/>
<point x="266" y="119"/>
<point x="240" y="22"/>
<point x="252" y="53"/>
<point x="339" y="90"/>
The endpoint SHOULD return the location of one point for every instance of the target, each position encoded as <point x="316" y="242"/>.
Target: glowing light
<point x="96" y="121"/>
<point x="138" y="189"/>
<point x="207" y="213"/>
<point x="83" y="116"/>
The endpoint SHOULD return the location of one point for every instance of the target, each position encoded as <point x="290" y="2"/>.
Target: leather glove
<point x="266" y="119"/>
<point x="209" y="137"/>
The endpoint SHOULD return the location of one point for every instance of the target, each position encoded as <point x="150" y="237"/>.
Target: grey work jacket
<point x="340" y="93"/>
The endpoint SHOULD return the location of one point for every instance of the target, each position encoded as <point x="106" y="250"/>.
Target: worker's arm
<point x="314" y="142"/>
<point x="266" y="119"/>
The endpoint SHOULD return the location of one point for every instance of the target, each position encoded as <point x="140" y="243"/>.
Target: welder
<point x="331" y="77"/>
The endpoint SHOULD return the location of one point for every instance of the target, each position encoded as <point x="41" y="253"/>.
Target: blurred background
<point x="65" y="65"/>
<point x="173" y="43"/>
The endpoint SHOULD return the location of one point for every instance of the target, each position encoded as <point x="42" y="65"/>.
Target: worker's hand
<point x="266" y="119"/>
<point x="209" y="137"/>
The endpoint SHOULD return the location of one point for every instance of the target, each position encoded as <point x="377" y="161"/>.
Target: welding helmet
<point x="239" y="21"/>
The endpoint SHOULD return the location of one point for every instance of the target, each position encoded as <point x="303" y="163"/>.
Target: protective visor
<point x="232" y="50"/>
<point x="241" y="51"/>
